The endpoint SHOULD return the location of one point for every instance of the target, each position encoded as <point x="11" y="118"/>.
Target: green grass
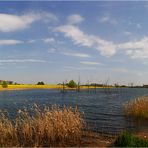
<point x="128" y="140"/>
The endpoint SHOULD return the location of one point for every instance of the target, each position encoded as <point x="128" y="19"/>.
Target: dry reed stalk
<point x="137" y="107"/>
<point x="55" y="127"/>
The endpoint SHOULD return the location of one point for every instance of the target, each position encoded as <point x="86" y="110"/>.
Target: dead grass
<point x="137" y="107"/>
<point x="49" y="127"/>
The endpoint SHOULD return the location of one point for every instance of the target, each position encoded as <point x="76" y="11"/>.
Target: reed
<point x="137" y="108"/>
<point x="44" y="128"/>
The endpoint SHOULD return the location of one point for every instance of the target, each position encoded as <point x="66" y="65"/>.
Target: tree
<point x="72" y="84"/>
<point x="4" y="84"/>
<point x="40" y="83"/>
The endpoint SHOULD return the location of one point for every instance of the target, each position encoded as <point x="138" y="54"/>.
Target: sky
<point x="55" y="41"/>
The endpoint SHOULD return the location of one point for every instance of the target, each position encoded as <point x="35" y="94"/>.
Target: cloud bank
<point x="12" y="22"/>
<point x="136" y="49"/>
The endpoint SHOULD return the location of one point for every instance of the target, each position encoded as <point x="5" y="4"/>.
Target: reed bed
<point x="44" y="128"/>
<point x="137" y="108"/>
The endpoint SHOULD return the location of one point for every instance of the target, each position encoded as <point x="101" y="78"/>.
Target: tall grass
<point x="47" y="127"/>
<point x="137" y="107"/>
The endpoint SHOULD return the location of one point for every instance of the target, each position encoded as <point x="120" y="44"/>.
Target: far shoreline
<point x="47" y="86"/>
<point x="54" y="86"/>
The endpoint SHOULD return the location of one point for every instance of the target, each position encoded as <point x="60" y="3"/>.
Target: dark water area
<point x="103" y="109"/>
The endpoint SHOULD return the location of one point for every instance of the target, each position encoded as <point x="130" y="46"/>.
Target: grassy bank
<point x="128" y="140"/>
<point x="55" y="127"/>
<point x="137" y="108"/>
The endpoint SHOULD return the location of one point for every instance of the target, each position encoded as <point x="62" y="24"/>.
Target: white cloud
<point x="138" y="26"/>
<point x="108" y="19"/>
<point x="22" y="61"/>
<point x="48" y="17"/>
<point x="104" y="19"/>
<point x="51" y="50"/>
<point x="31" y="41"/>
<point x="75" y="19"/>
<point x="80" y="68"/>
<point x="90" y="63"/>
<point x="106" y="48"/>
<point x="49" y="40"/>
<point x="10" y="42"/>
<point x="122" y="70"/>
<point x="127" y="33"/>
<point x="81" y="55"/>
<point x="11" y="22"/>
<point x="136" y="49"/>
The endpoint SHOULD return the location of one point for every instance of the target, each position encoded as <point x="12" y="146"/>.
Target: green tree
<point x="4" y="84"/>
<point x="40" y="83"/>
<point x="72" y="84"/>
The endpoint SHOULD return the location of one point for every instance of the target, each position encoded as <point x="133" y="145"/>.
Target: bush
<point x="72" y="84"/>
<point x="40" y="83"/>
<point x="4" y="84"/>
<point x="128" y="140"/>
<point x="43" y="128"/>
<point x="137" y="108"/>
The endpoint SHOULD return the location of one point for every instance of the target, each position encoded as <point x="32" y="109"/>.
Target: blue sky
<point x="58" y="41"/>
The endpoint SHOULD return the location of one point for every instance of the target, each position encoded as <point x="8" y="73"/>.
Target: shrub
<point x="72" y="84"/>
<point x="40" y="83"/>
<point x="128" y="140"/>
<point x="55" y="127"/>
<point x="137" y="107"/>
<point x="4" y="84"/>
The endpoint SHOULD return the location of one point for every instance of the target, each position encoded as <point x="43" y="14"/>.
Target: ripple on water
<point x="102" y="110"/>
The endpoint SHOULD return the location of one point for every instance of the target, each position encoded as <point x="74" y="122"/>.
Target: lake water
<point x="103" y="108"/>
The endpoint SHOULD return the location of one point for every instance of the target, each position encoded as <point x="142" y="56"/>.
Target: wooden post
<point x="78" y="87"/>
<point x="63" y="91"/>
<point x="88" y="85"/>
<point x="95" y="88"/>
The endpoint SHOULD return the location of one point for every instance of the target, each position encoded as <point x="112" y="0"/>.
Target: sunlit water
<point x="103" y="108"/>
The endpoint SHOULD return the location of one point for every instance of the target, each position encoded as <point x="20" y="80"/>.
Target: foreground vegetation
<point x="55" y="127"/>
<point x="128" y="140"/>
<point x="137" y="108"/>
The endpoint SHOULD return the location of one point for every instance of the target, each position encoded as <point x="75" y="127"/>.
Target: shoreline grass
<point x="137" y="108"/>
<point x="55" y="127"/>
<point x="127" y="139"/>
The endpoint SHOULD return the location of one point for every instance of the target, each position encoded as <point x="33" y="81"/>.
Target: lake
<point x="103" y="108"/>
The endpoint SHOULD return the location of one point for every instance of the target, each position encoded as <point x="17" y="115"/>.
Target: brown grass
<point x="137" y="107"/>
<point x="49" y="127"/>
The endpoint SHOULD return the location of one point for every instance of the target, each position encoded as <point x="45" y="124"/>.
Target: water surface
<point x="103" y="108"/>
